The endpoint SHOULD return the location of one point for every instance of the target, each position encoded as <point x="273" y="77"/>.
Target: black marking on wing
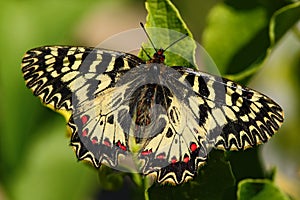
<point x="50" y="71"/>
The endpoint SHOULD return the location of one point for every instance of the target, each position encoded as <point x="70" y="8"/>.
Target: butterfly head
<point x="158" y="56"/>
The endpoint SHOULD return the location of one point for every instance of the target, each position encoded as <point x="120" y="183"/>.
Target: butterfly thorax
<point x="148" y="110"/>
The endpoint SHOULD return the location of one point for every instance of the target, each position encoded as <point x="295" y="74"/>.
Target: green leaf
<point x="165" y="25"/>
<point x="246" y="164"/>
<point x="259" y="189"/>
<point x="283" y="20"/>
<point x="229" y="31"/>
<point x="237" y="35"/>
<point x="110" y="179"/>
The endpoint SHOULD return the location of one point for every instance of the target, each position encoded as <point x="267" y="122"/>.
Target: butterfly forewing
<point x="54" y="72"/>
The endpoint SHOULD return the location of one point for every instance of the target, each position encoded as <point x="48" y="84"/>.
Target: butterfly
<point x="161" y="121"/>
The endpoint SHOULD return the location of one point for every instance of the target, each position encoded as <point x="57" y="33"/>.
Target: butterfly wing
<point x="67" y="79"/>
<point x="52" y="71"/>
<point x="207" y="111"/>
<point x="234" y="117"/>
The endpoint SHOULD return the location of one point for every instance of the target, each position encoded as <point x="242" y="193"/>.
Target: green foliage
<point x="110" y="179"/>
<point x="225" y="44"/>
<point x="282" y="20"/>
<point x="164" y="26"/>
<point x="259" y="190"/>
<point x="237" y="34"/>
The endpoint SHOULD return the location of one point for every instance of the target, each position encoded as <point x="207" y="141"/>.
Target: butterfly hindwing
<point x="234" y="117"/>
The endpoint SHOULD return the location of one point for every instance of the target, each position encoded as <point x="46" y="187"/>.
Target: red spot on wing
<point x="186" y="159"/>
<point x="193" y="147"/>
<point x="106" y="142"/>
<point x="161" y="156"/>
<point x="85" y="132"/>
<point x="173" y="160"/>
<point x="84" y="119"/>
<point x="121" y="146"/>
<point x="94" y="140"/>
<point x="146" y="152"/>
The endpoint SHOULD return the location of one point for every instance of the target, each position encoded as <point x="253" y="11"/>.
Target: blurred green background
<point x="36" y="161"/>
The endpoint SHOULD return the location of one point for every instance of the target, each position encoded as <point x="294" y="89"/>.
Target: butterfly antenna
<point x="146" y="53"/>
<point x="181" y="38"/>
<point x="143" y="27"/>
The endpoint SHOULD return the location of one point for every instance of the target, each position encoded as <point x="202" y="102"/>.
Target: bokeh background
<point x="36" y="161"/>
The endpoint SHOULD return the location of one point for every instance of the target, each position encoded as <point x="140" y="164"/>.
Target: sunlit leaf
<point x="165" y="17"/>
<point x="259" y="190"/>
<point x="283" y="20"/>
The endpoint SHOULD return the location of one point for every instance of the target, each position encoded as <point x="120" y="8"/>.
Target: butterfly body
<point x="159" y="120"/>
